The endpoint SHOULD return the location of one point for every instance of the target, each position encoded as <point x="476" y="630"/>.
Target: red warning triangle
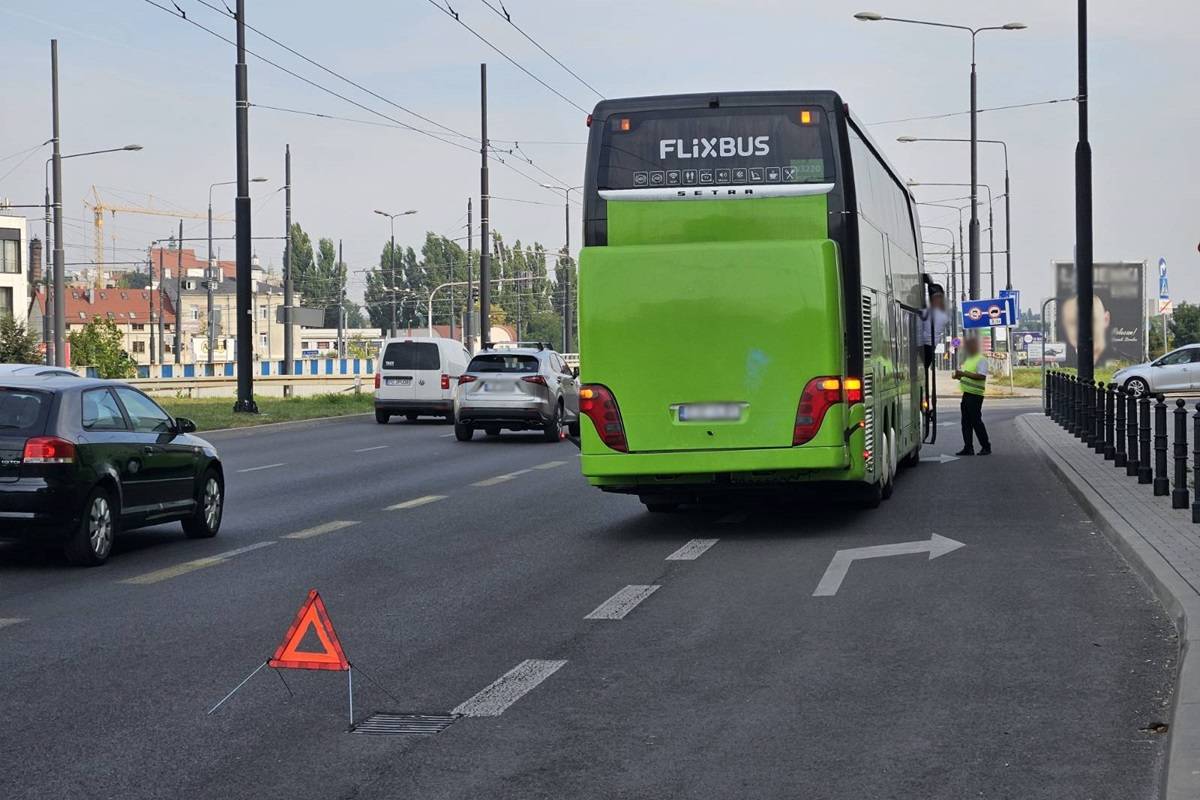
<point x="312" y="616"/>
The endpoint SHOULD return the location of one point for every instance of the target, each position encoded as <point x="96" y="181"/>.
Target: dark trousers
<point x="927" y="354"/>
<point x="972" y="421"/>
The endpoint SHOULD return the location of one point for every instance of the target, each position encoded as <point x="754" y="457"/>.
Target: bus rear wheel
<point x="889" y="465"/>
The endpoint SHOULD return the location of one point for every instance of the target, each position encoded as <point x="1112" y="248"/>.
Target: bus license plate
<point x="710" y="412"/>
<point x="399" y="381"/>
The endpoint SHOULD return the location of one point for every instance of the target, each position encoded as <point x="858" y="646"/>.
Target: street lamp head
<point x="907" y="139"/>
<point x="1014" y="26"/>
<point x="258" y="180"/>
<point x="132" y="147"/>
<point x="408" y="213"/>
<point x="868" y="16"/>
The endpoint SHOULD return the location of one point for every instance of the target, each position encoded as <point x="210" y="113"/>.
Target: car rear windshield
<point x="23" y="410"/>
<point x="496" y="362"/>
<point x="411" y="355"/>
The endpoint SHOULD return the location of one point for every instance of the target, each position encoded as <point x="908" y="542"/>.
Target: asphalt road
<point x="1026" y="664"/>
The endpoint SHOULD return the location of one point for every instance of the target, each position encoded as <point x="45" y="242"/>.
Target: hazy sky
<point x="132" y="73"/>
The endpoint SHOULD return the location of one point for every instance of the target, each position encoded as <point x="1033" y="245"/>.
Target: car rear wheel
<point x="552" y="431"/>
<point x="210" y="506"/>
<point x="382" y="417"/>
<point x="1138" y="387"/>
<point x="463" y="432"/>
<point x="92" y="541"/>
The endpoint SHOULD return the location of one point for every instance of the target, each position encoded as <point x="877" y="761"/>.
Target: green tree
<point x="1184" y="324"/>
<point x="391" y="274"/>
<point x="98" y="344"/>
<point x="133" y="280"/>
<point x="17" y="345"/>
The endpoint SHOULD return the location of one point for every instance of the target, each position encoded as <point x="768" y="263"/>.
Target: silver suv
<point x="517" y="389"/>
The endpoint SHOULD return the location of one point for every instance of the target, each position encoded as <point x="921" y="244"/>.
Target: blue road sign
<point x="993" y="313"/>
<point x="1013" y="296"/>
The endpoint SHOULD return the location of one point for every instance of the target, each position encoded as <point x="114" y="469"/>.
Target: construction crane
<point x="98" y="208"/>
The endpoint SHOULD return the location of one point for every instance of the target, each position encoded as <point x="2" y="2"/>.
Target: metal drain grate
<point x="384" y="724"/>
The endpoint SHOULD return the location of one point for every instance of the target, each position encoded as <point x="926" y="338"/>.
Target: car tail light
<point x="599" y="405"/>
<point x="376" y="380"/>
<point x="819" y="396"/>
<point x="538" y="379"/>
<point x="445" y="381"/>
<point x="466" y="379"/>
<point x="48" y="450"/>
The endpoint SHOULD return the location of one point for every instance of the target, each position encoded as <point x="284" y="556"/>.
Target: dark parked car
<point x="82" y="459"/>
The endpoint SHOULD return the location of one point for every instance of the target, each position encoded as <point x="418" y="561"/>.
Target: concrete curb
<point x="1175" y="594"/>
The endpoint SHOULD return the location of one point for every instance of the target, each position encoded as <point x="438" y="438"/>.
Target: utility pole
<point x="47" y="283"/>
<point x="567" y="326"/>
<point x="161" y="332"/>
<point x="287" y="260"/>
<point x="468" y="339"/>
<point x="209" y="273"/>
<point x="150" y="295"/>
<point x="1083" y="214"/>
<point x="485" y="248"/>
<point x="341" y="298"/>
<point x="60" y="256"/>
<point x="245" y="344"/>
<point x="392" y="277"/>
<point x="179" y="295"/>
<point x="973" y="225"/>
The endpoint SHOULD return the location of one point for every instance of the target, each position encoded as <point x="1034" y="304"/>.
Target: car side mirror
<point x="184" y="425"/>
<point x="574" y="372"/>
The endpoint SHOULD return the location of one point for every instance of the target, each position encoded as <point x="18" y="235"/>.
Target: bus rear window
<point x="412" y="355"/>
<point x="713" y="147"/>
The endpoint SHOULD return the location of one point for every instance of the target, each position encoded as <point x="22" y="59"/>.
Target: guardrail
<point x="268" y="368"/>
<point x="1131" y="431"/>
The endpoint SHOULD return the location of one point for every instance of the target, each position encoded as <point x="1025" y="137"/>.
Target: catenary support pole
<point x="245" y="331"/>
<point x="485" y="247"/>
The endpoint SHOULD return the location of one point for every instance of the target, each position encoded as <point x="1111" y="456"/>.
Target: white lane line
<point x="550" y="465"/>
<point x="493" y="700"/>
<point x="692" y="550"/>
<point x="6" y="621"/>
<point x="508" y="476"/>
<point x="264" y="466"/>
<point x="735" y="518"/>
<point x="416" y="502"/>
<point x="167" y="573"/>
<point x="621" y="603"/>
<point x="317" y="530"/>
<point x="369" y="449"/>
<point x="445" y="435"/>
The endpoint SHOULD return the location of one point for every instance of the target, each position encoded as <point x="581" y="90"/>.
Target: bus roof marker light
<point x="625" y="124"/>
<point x="806" y="118"/>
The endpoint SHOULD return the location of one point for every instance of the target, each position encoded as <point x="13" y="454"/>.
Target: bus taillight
<point x="854" y="393"/>
<point x="818" y="397"/>
<point x="597" y="403"/>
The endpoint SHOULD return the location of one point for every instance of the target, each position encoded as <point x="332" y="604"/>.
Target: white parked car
<point x="1177" y="371"/>
<point x="416" y="376"/>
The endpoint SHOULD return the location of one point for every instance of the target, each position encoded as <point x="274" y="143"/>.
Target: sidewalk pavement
<point x="1163" y="547"/>
<point x="998" y="387"/>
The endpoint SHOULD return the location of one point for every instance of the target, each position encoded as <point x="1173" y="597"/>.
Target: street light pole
<point x="1083" y="214"/>
<point x="60" y="256"/>
<point x="245" y="331"/>
<point x="288" y="298"/>
<point x="568" y="324"/>
<point x="392" y="257"/>
<point x="973" y="226"/>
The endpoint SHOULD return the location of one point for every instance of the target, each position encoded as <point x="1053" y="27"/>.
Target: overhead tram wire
<point x="452" y="14"/>
<point x="327" y="90"/>
<point x="502" y="12"/>
<point x="339" y="76"/>
<point x="980" y="111"/>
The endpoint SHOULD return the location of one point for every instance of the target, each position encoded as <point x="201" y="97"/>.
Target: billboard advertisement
<point x="1118" y="311"/>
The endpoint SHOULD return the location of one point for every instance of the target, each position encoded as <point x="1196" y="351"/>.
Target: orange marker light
<point x="625" y="125"/>
<point x="806" y="118"/>
<point x="586" y="394"/>
<point x="830" y="384"/>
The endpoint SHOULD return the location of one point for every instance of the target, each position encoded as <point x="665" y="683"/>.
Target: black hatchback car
<point x="82" y="459"/>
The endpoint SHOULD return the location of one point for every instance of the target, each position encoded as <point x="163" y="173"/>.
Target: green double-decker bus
<point x="749" y="294"/>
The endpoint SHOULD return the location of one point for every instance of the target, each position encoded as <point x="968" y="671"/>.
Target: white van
<point x="416" y="376"/>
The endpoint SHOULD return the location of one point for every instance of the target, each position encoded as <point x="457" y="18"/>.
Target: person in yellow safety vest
<point x="972" y="379"/>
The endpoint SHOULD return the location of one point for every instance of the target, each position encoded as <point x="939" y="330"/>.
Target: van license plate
<point x="710" y="412"/>
<point x="399" y="381"/>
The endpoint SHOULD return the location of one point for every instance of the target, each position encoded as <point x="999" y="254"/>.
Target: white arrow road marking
<point x="831" y="581"/>
<point x="940" y="459"/>
<point x="492" y="700"/>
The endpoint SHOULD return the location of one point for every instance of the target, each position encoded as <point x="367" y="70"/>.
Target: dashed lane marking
<point x="6" y="621"/>
<point x="621" y="603"/>
<point x="317" y="530"/>
<point x="264" y="466"/>
<point x="692" y="550"/>
<point x="167" y="573"/>
<point x="550" y="465"/>
<point x="508" y="476"/>
<point x="369" y="449"/>
<point x="416" y="502"/>
<point x="496" y="697"/>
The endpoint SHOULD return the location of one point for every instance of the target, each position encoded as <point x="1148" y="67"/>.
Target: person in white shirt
<point x="933" y="321"/>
